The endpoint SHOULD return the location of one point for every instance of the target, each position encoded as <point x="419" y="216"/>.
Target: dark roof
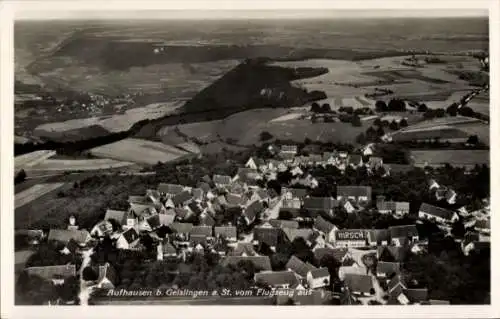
<point x="181" y="198"/>
<point x="221" y="179"/>
<point x="416" y="295"/>
<point x="378" y="235"/>
<point x="436" y="211"/>
<point x="118" y="215"/>
<point x="107" y="271"/>
<point x="292" y="233"/>
<point x="247" y="174"/>
<point x="320" y="272"/>
<point x="262" y="263"/>
<point x="201" y="230"/>
<point x="482" y="224"/>
<point x="154" y="221"/>
<point x="198" y="239"/>
<point x="225" y="231"/>
<point x="395" y="282"/>
<point x="288" y="148"/>
<point x="64" y="235"/>
<point x="142" y="209"/>
<point x="263" y="193"/>
<point x="197" y="193"/>
<point x="320" y="203"/>
<point x="195" y="208"/>
<point x="130" y="235"/>
<point x="354" y="159"/>
<point x="253" y="209"/>
<point x="323" y="225"/>
<point x="281" y="223"/>
<point x="358" y="283"/>
<point x="182" y="212"/>
<point x="403" y="231"/>
<point x="268" y="235"/>
<point x="172" y="189"/>
<point x="356" y="191"/>
<point x="235" y="200"/>
<point x="52" y="272"/>
<point x="167" y="248"/>
<point x="397" y="252"/>
<point x="275" y="278"/>
<point x="393" y="206"/>
<point x="388" y="268"/>
<point x="204" y="186"/>
<point x="298" y="266"/>
<point x="337" y="253"/>
<point x="243" y="248"/>
<point x="183" y="228"/>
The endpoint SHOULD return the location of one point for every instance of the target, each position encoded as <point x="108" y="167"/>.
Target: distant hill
<point x="254" y="84"/>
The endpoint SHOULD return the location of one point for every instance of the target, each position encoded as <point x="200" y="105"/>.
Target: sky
<point x="241" y="14"/>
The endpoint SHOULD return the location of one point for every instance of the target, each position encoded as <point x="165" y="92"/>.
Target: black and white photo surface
<point x="331" y="158"/>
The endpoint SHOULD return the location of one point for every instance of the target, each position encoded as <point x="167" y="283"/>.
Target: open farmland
<point x="32" y="193"/>
<point x="465" y="158"/>
<point x="31" y="159"/>
<point x="139" y="151"/>
<point x="78" y="165"/>
<point x="111" y="124"/>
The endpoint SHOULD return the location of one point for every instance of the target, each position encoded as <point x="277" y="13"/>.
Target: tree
<point x="325" y="108"/>
<point x="265" y="136"/>
<point x="394" y="125"/>
<point x="380" y="106"/>
<point x="466" y="111"/>
<point x="473" y="139"/>
<point x="89" y="274"/>
<point x="356" y="121"/>
<point x="440" y="112"/>
<point x="315" y="108"/>
<point x="380" y="131"/>
<point x="361" y="139"/>
<point x="396" y="105"/>
<point x="422" y="107"/>
<point x="377" y="122"/>
<point x="458" y="229"/>
<point x="20" y="177"/>
<point x="403" y="123"/>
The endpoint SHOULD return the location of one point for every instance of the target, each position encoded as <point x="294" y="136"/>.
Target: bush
<point x="20" y="177"/>
<point x="265" y="136"/>
<point x="394" y="125"/>
<point x="380" y="106"/>
<point x="422" y="107"/>
<point x="403" y="123"/>
<point x="315" y="108"/>
<point x="325" y="108"/>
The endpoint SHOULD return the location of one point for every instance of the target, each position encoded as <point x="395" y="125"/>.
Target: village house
<point x="360" y="194"/>
<point x="129" y="239"/>
<point x="121" y="217"/>
<point x="378" y="237"/>
<point x="375" y="163"/>
<point x="227" y="232"/>
<point x="350" y="238"/>
<point x="326" y="228"/>
<point x="399" y="209"/>
<point x="165" y="250"/>
<point x="57" y="274"/>
<point x="359" y="285"/>
<point x="63" y="236"/>
<point x="277" y="279"/>
<point x="295" y="203"/>
<point x="181" y="232"/>
<point x="254" y="163"/>
<point x="300" y="268"/>
<point x="266" y="234"/>
<point x="387" y="269"/>
<point x="252" y="211"/>
<point x="106" y="277"/>
<point x="206" y="219"/>
<point x="417" y="296"/>
<point x="437" y="214"/>
<point x="294" y="193"/>
<point x="403" y="235"/>
<point x="338" y="254"/>
<point x="282" y="223"/>
<point x="355" y="160"/>
<point x="305" y="233"/>
<point x="288" y="149"/>
<point x="72" y="225"/>
<point x="368" y="150"/>
<point x="243" y="249"/>
<point x="329" y="158"/>
<point x="180" y="200"/>
<point x="392" y="253"/>
<point x="318" y="278"/>
<point x="102" y="229"/>
<point x="395" y="290"/>
<point x="320" y="204"/>
<point x="149" y="223"/>
<point x="222" y="181"/>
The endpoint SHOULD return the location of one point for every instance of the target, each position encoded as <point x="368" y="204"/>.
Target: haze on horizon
<point x="126" y="14"/>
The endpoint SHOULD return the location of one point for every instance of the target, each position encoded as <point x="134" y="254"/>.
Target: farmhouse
<point x="438" y="214"/>
<point x="360" y="194"/>
<point x="400" y="235"/>
<point x="298" y="266"/>
<point x="277" y="279"/>
<point x="360" y="285"/>
<point x="227" y="232"/>
<point x="82" y="237"/>
<point x="320" y="204"/>
<point x="266" y="234"/>
<point x="318" y="278"/>
<point x="350" y="238"/>
<point x="222" y="181"/>
<point x="387" y="207"/>
<point x="326" y="228"/>
<point x="251" y="212"/>
<point x="378" y="237"/>
<point x="169" y="190"/>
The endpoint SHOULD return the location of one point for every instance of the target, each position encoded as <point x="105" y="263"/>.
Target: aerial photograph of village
<point x="330" y="160"/>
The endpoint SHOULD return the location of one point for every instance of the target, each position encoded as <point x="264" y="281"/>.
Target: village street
<point x="85" y="290"/>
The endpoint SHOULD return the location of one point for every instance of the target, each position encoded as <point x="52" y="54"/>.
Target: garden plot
<point x="78" y="165"/>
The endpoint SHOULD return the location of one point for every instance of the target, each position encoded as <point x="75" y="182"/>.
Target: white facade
<point x="319" y="282"/>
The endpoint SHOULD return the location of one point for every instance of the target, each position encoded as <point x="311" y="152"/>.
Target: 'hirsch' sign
<point x="350" y="234"/>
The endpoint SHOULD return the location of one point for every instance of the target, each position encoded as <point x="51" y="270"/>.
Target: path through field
<point x="26" y="196"/>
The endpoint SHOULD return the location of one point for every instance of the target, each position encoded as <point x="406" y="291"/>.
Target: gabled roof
<point x="201" y="230"/>
<point x="320" y="203"/>
<point x="172" y="189"/>
<point x="253" y="209"/>
<point x="243" y="249"/>
<point x="395" y="282"/>
<point x="182" y="228"/>
<point x="236" y="188"/>
<point x="337" y="253"/>
<point x="403" y="231"/>
<point x="107" y="271"/>
<point x="182" y="213"/>
<point x="137" y="199"/>
<point x="397" y="252"/>
<point x="153" y="194"/>
<point x="289" y="148"/>
<point x="246" y="175"/>
<point x="64" y="235"/>
<point x="166" y="219"/>
<point x="358" y="283"/>
<point x="292" y="233"/>
<point x="356" y="191"/>
<point x="320" y="273"/>
<point x="298" y="266"/>
<point x="225" y="231"/>
<point x="416" y="295"/>
<point x="52" y="272"/>
<point x="195" y="208"/>
<point x="281" y="223"/>
<point x="482" y="224"/>
<point x="204" y="186"/>
<point x="436" y="211"/>
<point x="197" y="193"/>
<point x="198" y="239"/>
<point x="276" y="278"/>
<point x="221" y="179"/>
<point x="235" y="200"/>
<point x="206" y="219"/>
<point x="142" y="209"/>
<point x="118" y="215"/>
<point x="268" y="235"/>
<point x="323" y="225"/>
<point x="393" y="206"/>
<point x="130" y="235"/>
<point x="388" y="267"/>
<point x="181" y="198"/>
<point x="167" y="248"/>
<point x="261" y="263"/>
<point x="354" y="159"/>
<point x="154" y="221"/>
